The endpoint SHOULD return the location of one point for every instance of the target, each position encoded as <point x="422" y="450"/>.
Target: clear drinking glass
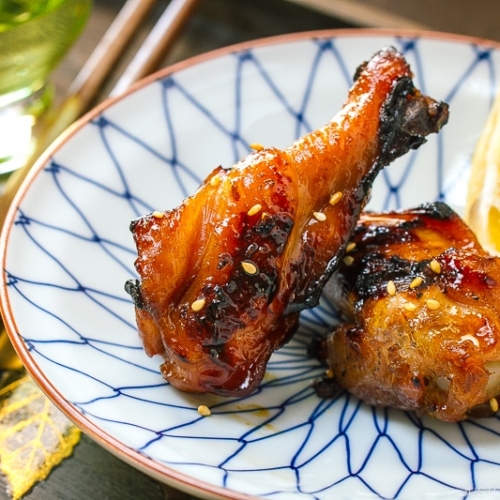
<point x="34" y="36"/>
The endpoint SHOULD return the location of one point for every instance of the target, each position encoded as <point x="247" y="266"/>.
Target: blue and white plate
<point x="67" y="252"/>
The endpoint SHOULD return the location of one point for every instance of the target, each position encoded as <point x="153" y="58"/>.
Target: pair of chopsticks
<point x="86" y="86"/>
<point x="116" y="39"/>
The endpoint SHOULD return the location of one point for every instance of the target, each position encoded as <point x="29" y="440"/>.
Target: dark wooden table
<point x="91" y="472"/>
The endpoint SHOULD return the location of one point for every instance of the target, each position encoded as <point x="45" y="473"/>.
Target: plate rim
<point x="150" y="467"/>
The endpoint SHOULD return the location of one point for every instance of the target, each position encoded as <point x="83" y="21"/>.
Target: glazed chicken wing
<point x="422" y="305"/>
<point x="224" y="276"/>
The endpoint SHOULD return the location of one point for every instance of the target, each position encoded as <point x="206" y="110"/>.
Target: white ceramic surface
<point x="67" y="253"/>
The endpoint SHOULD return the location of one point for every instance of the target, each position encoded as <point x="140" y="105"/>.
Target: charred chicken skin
<point x="421" y="300"/>
<point x="224" y="276"/>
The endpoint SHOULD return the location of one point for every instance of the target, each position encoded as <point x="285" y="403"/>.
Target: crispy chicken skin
<point x="224" y="276"/>
<point x="421" y="300"/>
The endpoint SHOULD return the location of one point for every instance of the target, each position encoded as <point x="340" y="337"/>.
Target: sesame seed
<point x="409" y="306"/>
<point x="470" y="337"/>
<point x="494" y="405"/>
<point x="249" y="267"/>
<point x="204" y="410"/>
<point x="335" y="198"/>
<point x="257" y="146"/>
<point x="158" y="215"/>
<point x="391" y="288"/>
<point x="255" y="209"/>
<point x="435" y="266"/>
<point x="215" y="180"/>
<point x="197" y="305"/>
<point x="416" y="282"/>
<point x="350" y="247"/>
<point x="433" y="304"/>
<point x="320" y="216"/>
<point x="348" y="260"/>
<point x="329" y="373"/>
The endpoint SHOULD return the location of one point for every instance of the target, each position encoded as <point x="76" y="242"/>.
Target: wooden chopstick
<point x="95" y="71"/>
<point x="149" y="56"/>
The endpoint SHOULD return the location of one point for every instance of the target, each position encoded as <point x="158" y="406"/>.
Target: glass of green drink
<point x="34" y="37"/>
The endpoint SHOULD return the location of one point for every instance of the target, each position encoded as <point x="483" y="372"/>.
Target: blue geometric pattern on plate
<point x="69" y="253"/>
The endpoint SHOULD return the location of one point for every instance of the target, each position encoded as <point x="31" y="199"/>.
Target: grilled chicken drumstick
<point x="422" y="303"/>
<point x="224" y="276"/>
